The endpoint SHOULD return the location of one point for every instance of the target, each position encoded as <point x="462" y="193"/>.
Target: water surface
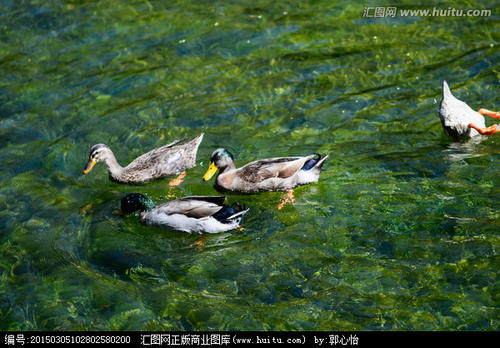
<point x="400" y="233"/>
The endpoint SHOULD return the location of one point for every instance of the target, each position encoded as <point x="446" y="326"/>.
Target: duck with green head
<point x="199" y="214"/>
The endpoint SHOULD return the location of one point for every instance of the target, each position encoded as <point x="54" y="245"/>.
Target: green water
<point x="400" y="233"/>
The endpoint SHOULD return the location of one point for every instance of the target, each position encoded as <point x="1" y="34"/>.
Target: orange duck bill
<point x="89" y="166"/>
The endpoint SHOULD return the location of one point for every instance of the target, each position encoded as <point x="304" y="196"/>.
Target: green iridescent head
<point x="136" y="201"/>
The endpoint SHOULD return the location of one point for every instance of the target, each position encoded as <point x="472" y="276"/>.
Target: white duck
<point x="459" y="119"/>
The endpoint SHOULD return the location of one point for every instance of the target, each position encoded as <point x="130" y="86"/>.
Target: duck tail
<point x="319" y="165"/>
<point x="238" y="215"/>
<point x="316" y="162"/>
<point x="197" y="141"/>
<point x="228" y="213"/>
<point x="446" y="90"/>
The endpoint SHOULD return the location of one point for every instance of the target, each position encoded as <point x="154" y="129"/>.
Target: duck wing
<point x="165" y="156"/>
<point x="280" y="167"/>
<point x="193" y="206"/>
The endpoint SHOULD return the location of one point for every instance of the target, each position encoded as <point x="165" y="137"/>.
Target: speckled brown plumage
<point x="164" y="161"/>
<point x="272" y="174"/>
<point x="257" y="171"/>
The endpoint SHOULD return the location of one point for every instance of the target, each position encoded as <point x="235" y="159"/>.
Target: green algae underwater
<point x="400" y="233"/>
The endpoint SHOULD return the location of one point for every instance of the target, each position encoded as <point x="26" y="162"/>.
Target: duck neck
<point x="148" y="205"/>
<point x="229" y="166"/>
<point x="114" y="168"/>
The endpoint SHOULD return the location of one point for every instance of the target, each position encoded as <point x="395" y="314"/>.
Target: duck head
<point x="134" y="202"/>
<point x="98" y="153"/>
<point x="220" y="159"/>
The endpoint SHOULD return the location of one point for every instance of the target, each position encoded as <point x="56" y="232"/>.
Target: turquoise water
<point x="400" y="232"/>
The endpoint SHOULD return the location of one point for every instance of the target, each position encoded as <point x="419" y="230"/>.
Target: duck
<point x="201" y="214"/>
<point x="164" y="161"/>
<point x="272" y="174"/>
<point x="459" y="119"/>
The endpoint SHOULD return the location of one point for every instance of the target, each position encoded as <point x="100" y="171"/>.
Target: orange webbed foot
<point x="177" y="181"/>
<point x="199" y="243"/>
<point x="487" y="130"/>
<point x="288" y="199"/>
<point x="487" y="112"/>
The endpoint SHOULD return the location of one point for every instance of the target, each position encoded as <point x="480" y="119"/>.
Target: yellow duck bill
<point x="89" y="166"/>
<point x="210" y="172"/>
